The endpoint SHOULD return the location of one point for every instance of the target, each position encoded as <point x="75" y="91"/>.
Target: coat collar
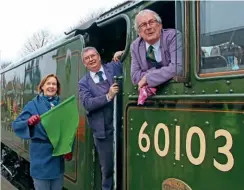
<point x="40" y="105"/>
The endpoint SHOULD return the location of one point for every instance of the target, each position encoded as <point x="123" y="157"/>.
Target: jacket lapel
<point x="92" y="85"/>
<point x="162" y="49"/>
<point x="109" y="73"/>
<point x="142" y="53"/>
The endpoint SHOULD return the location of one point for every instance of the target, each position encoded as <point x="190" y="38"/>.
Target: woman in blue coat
<point x="46" y="170"/>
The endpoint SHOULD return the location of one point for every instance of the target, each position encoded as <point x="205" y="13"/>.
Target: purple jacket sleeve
<point x="159" y="76"/>
<point x="90" y="102"/>
<point x="136" y="71"/>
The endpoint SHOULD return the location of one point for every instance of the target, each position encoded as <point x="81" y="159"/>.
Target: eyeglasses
<point x="87" y="58"/>
<point x="143" y="25"/>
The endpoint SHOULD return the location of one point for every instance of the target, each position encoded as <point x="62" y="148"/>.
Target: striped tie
<point x="151" y="57"/>
<point x="100" y="75"/>
<point x="150" y="54"/>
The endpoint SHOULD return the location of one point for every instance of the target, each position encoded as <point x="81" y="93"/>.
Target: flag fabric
<point x="61" y="123"/>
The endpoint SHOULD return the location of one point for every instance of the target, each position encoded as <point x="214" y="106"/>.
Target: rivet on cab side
<point x="227" y="82"/>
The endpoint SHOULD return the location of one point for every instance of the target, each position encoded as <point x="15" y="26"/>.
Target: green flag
<point x="61" y="124"/>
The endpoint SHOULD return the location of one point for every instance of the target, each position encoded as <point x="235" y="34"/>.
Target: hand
<point x="142" y="82"/>
<point x="33" y="120"/>
<point x="113" y="90"/>
<point x="68" y="156"/>
<point x="117" y="56"/>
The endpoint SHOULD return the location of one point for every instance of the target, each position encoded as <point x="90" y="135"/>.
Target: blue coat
<point x="42" y="164"/>
<point x="95" y="102"/>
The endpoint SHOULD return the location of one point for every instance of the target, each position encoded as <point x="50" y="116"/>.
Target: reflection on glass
<point x="222" y="41"/>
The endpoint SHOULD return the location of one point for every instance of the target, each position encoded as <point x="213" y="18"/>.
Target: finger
<point x="115" y="88"/>
<point x="36" y="118"/>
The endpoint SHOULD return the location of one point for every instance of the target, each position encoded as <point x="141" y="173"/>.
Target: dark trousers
<point x="105" y="151"/>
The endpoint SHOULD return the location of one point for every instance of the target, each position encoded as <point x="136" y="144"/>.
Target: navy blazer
<point x="94" y="101"/>
<point x="42" y="164"/>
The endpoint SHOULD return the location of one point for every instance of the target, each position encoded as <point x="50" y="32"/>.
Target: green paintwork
<point x="148" y="170"/>
<point x="210" y="104"/>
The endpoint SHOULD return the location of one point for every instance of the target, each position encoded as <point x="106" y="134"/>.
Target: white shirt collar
<point x="156" y="45"/>
<point x="93" y="74"/>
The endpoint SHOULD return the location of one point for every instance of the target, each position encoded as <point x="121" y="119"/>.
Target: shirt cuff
<point x="107" y="98"/>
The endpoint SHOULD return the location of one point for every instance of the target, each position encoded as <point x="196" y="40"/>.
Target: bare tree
<point x="88" y="17"/>
<point x="4" y="64"/>
<point x="36" y="41"/>
<point x="94" y="14"/>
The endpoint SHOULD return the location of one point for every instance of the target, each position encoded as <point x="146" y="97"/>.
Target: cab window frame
<point x="211" y="75"/>
<point x="185" y="42"/>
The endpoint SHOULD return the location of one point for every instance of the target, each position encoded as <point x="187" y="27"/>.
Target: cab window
<point x="221" y="37"/>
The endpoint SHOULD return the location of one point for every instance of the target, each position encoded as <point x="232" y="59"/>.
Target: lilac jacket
<point x="171" y="53"/>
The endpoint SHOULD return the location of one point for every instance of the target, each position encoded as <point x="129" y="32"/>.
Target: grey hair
<point x="86" y="49"/>
<point x="142" y="12"/>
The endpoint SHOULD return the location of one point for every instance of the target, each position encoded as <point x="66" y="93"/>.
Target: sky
<point x="20" y="19"/>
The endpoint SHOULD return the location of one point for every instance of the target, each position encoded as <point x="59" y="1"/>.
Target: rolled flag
<point x="61" y="124"/>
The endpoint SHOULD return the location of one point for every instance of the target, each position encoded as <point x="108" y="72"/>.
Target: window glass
<point x="180" y="41"/>
<point x="221" y="36"/>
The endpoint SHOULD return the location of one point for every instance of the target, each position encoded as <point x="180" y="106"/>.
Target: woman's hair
<point x="41" y="84"/>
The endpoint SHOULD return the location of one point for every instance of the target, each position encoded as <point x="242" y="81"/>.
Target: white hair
<point x="157" y="17"/>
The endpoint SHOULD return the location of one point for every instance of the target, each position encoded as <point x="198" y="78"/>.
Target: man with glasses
<point x="97" y="90"/>
<point x="156" y="53"/>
